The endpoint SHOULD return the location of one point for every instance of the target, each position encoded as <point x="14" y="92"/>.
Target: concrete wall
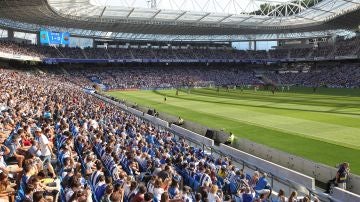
<point x="269" y="167"/>
<point x="192" y="135"/>
<point x="341" y="196"/>
<point x="320" y="172"/>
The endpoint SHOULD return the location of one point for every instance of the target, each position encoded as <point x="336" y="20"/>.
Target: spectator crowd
<point x="162" y="77"/>
<point x="342" y="76"/>
<point x="59" y="143"/>
<point x="328" y="50"/>
<point x="338" y="76"/>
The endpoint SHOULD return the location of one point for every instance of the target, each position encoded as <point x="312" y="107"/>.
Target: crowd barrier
<point x="156" y="121"/>
<point x="340" y="195"/>
<point x="320" y="172"/>
<point x="135" y="112"/>
<point x="270" y="167"/>
<point x="191" y="135"/>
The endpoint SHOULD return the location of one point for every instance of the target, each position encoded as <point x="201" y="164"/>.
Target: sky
<point x="213" y="6"/>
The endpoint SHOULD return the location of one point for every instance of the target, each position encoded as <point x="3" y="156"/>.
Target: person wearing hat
<point x="44" y="149"/>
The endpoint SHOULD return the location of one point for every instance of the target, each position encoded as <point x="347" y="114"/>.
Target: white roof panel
<point x="227" y="12"/>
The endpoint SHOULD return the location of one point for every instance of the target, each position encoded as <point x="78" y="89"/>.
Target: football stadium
<point x="180" y="100"/>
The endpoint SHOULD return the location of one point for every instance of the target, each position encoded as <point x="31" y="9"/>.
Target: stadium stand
<point x="101" y="153"/>
<point x="164" y="77"/>
<point x="340" y="48"/>
<point x="341" y="76"/>
<point x="61" y="139"/>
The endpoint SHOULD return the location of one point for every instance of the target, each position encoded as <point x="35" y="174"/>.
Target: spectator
<point x="213" y="194"/>
<point x="342" y="175"/>
<point x="14" y="148"/>
<point x="280" y="197"/>
<point x="45" y="149"/>
<point x="293" y="197"/>
<point x="262" y="186"/>
<point x="108" y="192"/>
<point x="158" y="189"/>
<point x="6" y="191"/>
<point x="139" y="197"/>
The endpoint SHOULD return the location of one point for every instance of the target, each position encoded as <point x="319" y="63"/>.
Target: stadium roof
<point x="208" y="18"/>
<point x="227" y="13"/>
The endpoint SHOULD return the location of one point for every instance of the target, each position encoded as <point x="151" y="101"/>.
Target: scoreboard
<point x="47" y="37"/>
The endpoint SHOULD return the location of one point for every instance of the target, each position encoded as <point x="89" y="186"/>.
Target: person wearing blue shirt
<point x="13" y="147"/>
<point x="247" y="196"/>
<point x="262" y="185"/>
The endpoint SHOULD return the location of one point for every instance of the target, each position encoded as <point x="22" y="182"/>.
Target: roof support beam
<point x="204" y="16"/>
<point x="128" y="15"/>
<point x="224" y="18"/>
<point x="157" y="12"/>
<point x="182" y="14"/>
<point x="102" y="12"/>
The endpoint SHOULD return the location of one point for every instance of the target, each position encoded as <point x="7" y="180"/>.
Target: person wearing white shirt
<point x="213" y="197"/>
<point x="44" y="149"/>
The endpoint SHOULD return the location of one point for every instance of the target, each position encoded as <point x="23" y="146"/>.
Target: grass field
<point x="324" y="127"/>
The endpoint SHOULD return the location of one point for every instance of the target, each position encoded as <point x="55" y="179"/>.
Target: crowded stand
<point x="342" y="47"/>
<point x="258" y="55"/>
<point x="348" y="47"/>
<point x="338" y="76"/>
<point x="325" y="51"/>
<point x="165" y="77"/>
<point x="117" y="53"/>
<point x="300" y="52"/>
<point x="279" y="54"/>
<point x="95" y="53"/>
<point x="344" y="76"/>
<point x="59" y="143"/>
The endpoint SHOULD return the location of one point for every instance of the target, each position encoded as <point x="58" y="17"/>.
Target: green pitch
<point x="324" y="127"/>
